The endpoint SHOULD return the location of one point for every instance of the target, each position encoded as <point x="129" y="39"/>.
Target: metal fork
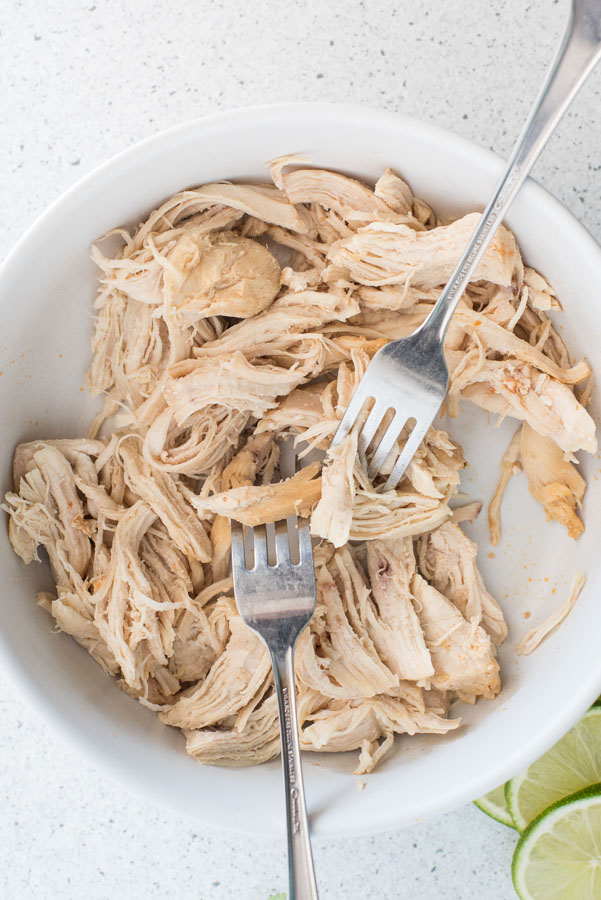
<point x="276" y="602"/>
<point x="408" y="378"/>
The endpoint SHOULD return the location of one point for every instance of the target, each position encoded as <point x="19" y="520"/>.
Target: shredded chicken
<point x="237" y="315"/>
<point x="447" y="559"/>
<point x="553" y="480"/>
<point x="510" y="465"/>
<point x="536" y="636"/>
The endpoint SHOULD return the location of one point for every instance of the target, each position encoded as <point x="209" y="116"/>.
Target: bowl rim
<point x="57" y="720"/>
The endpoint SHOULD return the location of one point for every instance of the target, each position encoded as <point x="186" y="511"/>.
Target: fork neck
<point x="578" y="53"/>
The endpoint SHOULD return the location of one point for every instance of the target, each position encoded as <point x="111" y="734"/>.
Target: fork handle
<point x="300" y="860"/>
<point x="579" y="51"/>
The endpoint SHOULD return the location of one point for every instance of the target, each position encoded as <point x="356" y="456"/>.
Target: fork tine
<point x="304" y="541"/>
<point x="260" y="545"/>
<point x="405" y="456"/>
<point x="352" y="411"/>
<point x="238" y="555"/>
<point x="371" y="425"/>
<point x="386" y="444"/>
<point x="282" y="545"/>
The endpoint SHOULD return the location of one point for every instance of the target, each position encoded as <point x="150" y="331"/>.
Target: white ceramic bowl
<point x="46" y="291"/>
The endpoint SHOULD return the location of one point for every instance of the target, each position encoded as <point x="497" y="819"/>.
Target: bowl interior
<point x="46" y="294"/>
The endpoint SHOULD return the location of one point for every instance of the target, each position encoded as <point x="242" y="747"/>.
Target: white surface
<point x="70" y="104"/>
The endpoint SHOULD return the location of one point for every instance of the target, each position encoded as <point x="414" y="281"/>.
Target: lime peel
<point x="572" y="764"/>
<point x="494" y="805"/>
<point x="559" y="854"/>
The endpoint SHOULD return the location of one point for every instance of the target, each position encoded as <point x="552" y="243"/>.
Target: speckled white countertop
<point x="82" y="80"/>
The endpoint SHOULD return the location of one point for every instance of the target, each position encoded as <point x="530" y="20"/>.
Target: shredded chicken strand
<point x="532" y="639"/>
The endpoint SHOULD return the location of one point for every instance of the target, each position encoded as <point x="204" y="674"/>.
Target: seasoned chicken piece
<point x="300" y="410"/>
<point x="290" y="316"/>
<point x="307" y="252"/>
<point x="134" y="599"/>
<point x="498" y="339"/>
<point x="335" y="654"/>
<point x="60" y="484"/>
<point x="553" y="480"/>
<point x="266" y="503"/>
<point x="225" y="745"/>
<point x="106" y="343"/>
<point x="219" y="274"/>
<point x="435" y="467"/>
<point x="210" y="401"/>
<point x="199" y="443"/>
<point x="461" y="652"/>
<point x="258" y="456"/>
<point x="398" y="636"/>
<point x="73" y="618"/>
<point x="333" y="515"/>
<point x="136" y="270"/>
<point x="47" y="510"/>
<point x="314" y="411"/>
<point x="394" y="297"/>
<point x="536" y="636"/>
<point x="383" y="253"/>
<point x="517" y="389"/>
<point x="221" y="542"/>
<point x="200" y="637"/>
<point x="395" y="192"/>
<point x="301" y="280"/>
<point x="158" y="685"/>
<point x="169" y="572"/>
<point x="540" y="293"/>
<point x="228" y="380"/>
<point x="350" y="199"/>
<point x="350" y="726"/>
<point x="395" y="514"/>
<point x="510" y="465"/>
<point x="130" y="343"/>
<point x="234" y="679"/>
<point x="132" y="348"/>
<point x="161" y="493"/>
<point x="447" y="559"/>
<point x="143" y="352"/>
<point x="262" y="201"/>
<point x="73" y="449"/>
<point x="469" y="512"/>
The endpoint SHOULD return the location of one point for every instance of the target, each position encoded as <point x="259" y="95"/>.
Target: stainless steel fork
<point x="408" y="378"/>
<point x="276" y="601"/>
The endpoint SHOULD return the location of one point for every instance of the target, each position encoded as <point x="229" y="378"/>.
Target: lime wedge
<point x="495" y="806"/>
<point x="571" y="765"/>
<point x="559" y="854"/>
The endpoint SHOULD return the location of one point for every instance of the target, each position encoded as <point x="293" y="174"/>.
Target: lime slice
<point x="559" y="854"/>
<point x="495" y="806"/>
<point x="571" y="765"/>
